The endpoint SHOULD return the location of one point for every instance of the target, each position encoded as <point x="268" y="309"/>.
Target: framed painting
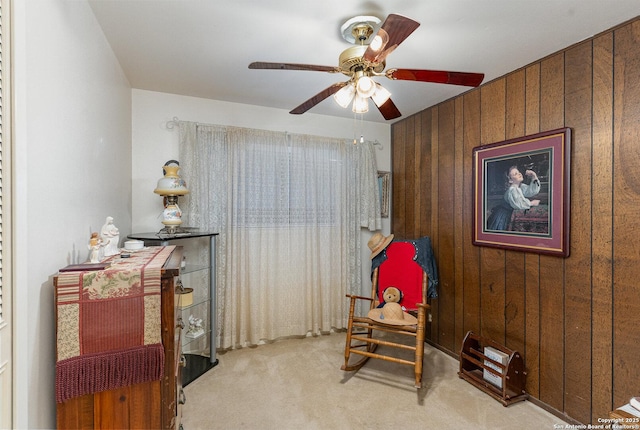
<point x="522" y="193"/>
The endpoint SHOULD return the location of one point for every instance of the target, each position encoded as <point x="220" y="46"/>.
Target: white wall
<point x="72" y="170"/>
<point x="154" y="144"/>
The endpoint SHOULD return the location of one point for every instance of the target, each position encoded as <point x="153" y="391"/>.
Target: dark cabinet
<point x="153" y="404"/>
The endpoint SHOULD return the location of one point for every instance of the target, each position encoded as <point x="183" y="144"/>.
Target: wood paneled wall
<point x="575" y="320"/>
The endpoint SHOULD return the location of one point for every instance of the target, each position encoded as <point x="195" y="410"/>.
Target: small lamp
<point x="344" y="96"/>
<point x="171" y="186"/>
<point x="381" y="95"/>
<point x="365" y="86"/>
<point x="379" y="42"/>
<point x="360" y="104"/>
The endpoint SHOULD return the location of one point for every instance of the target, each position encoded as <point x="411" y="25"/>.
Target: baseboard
<point x="553" y="410"/>
<point x="446" y="351"/>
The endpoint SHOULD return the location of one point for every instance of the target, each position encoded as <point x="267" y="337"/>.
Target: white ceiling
<point x="202" y="48"/>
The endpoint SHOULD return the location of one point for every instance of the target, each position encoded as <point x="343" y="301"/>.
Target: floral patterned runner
<point x="109" y="325"/>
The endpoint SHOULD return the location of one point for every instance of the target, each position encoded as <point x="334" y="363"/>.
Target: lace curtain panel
<point x="289" y="209"/>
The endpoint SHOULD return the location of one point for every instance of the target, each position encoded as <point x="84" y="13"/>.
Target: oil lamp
<point x="171" y="186"/>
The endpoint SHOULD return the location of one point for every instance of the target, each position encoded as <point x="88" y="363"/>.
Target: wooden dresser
<point x="150" y="404"/>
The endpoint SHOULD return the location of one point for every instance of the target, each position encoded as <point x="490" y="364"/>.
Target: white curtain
<point x="289" y="209"/>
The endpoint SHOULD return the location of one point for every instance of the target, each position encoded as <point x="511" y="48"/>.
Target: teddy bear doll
<point x="390" y="295"/>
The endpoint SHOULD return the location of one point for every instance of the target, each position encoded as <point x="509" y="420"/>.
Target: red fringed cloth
<point x="109" y="325"/>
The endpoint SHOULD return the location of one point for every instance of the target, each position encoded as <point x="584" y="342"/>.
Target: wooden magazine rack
<point x="474" y="365"/>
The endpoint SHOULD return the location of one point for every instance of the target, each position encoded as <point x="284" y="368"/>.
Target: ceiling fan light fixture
<point x="379" y="41"/>
<point x="365" y="86"/>
<point x="360" y="104"/>
<point x="344" y="96"/>
<point x="381" y="95"/>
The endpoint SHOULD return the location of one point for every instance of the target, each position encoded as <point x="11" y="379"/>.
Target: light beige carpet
<point x="298" y="384"/>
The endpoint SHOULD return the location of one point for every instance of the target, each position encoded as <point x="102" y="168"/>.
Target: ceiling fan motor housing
<point x="351" y="60"/>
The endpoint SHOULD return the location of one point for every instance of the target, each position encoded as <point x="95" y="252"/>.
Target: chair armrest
<point x="353" y="296"/>
<point x="425" y="306"/>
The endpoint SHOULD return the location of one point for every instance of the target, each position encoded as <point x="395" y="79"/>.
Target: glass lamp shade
<point x="379" y="42"/>
<point x="360" y="104"/>
<point x="171" y="184"/>
<point x="344" y="95"/>
<point x="365" y="87"/>
<point x="381" y="95"/>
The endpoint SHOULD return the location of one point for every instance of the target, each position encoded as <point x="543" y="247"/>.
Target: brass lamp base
<point x="173" y="230"/>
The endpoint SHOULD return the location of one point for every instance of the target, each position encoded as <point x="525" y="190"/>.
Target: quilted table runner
<point x="109" y="325"/>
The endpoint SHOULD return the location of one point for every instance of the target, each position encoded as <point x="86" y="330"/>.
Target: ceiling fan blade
<point x="318" y="98"/>
<point x="394" y="30"/>
<point x="437" y="76"/>
<point x="292" y="66"/>
<point x="389" y="110"/>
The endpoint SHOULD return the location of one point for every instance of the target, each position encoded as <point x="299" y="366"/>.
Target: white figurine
<point x="95" y="248"/>
<point x="195" y="327"/>
<point x="110" y="236"/>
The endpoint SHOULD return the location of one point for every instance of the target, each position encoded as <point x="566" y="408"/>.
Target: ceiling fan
<point x="365" y="60"/>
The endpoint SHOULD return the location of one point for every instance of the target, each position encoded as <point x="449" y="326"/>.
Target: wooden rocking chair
<point x="399" y="270"/>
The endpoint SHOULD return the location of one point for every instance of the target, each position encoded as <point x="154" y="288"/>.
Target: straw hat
<point x="378" y="242"/>
<point x="392" y="313"/>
